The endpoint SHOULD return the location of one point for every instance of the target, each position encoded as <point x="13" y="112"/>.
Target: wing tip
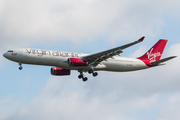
<point x="141" y="39"/>
<point x="174" y="56"/>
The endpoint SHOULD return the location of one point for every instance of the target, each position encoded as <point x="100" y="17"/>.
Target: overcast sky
<point x="89" y="26"/>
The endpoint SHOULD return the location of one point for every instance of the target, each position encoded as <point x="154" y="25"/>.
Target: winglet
<point x="141" y="39"/>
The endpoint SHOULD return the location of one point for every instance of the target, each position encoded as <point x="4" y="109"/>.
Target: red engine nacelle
<point x="77" y="62"/>
<point x="60" y="71"/>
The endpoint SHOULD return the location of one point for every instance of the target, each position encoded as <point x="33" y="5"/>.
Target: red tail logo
<point x="155" y="52"/>
<point x="152" y="56"/>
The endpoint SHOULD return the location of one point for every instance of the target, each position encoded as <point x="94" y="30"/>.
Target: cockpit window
<point x="10" y="51"/>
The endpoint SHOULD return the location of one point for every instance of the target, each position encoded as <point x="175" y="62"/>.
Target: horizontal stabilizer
<point x="162" y="60"/>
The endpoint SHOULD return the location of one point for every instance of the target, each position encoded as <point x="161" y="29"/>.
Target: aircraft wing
<point x="162" y="60"/>
<point x="96" y="58"/>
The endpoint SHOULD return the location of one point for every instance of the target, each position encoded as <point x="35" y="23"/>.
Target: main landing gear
<point x="20" y="64"/>
<point x="93" y="73"/>
<point x="85" y="78"/>
<point x="82" y="76"/>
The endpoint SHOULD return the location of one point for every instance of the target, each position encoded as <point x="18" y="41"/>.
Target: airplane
<point x="64" y="62"/>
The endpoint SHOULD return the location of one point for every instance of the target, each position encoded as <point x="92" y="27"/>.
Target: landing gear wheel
<point x="95" y="74"/>
<point x="80" y="76"/>
<point x="85" y="79"/>
<point x="20" y="68"/>
<point x="90" y="71"/>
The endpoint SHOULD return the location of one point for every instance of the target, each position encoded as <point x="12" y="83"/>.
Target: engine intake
<point x="59" y="71"/>
<point x="77" y="62"/>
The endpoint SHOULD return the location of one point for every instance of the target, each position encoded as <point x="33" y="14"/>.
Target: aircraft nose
<point x="5" y="55"/>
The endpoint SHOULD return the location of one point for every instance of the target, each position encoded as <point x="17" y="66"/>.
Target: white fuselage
<point x="59" y="59"/>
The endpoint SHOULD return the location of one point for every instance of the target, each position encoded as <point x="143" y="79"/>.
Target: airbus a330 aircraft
<point x="67" y="61"/>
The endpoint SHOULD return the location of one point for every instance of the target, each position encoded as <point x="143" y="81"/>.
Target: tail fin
<point x="154" y="54"/>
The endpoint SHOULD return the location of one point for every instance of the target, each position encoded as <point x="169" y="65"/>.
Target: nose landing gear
<point x="20" y="64"/>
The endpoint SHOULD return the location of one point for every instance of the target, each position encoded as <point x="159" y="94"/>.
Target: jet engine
<point x="77" y="62"/>
<point x="59" y="71"/>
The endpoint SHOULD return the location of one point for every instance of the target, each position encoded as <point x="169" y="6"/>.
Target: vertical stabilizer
<point x="154" y="54"/>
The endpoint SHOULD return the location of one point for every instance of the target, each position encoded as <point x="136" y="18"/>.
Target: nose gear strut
<point x="20" y="64"/>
